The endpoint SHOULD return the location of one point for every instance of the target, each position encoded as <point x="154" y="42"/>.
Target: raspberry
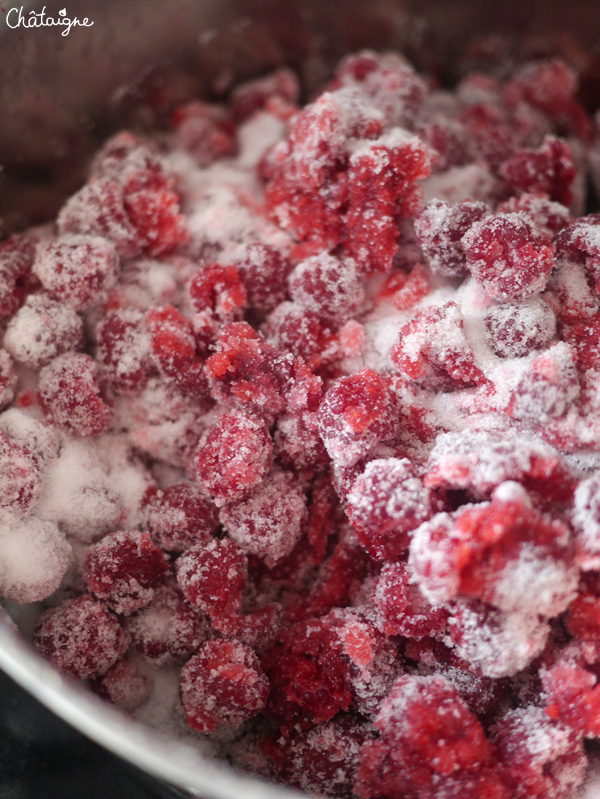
<point x="253" y="95"/>
<point x="80" y="637"/>
<point x="20" y="478"/>
<point x="292" y="328"/>
<point x="547" y="216"/>
<point x="205" y="131"/>
<point x="586" y="519"/>
<point x="72" y="395"/>
<point x="42" y="329"/>
<point x="78" y="270"/>
<point x="174" y="349"/>
<point x="329" y="287"/>
<point x="577" y="302"/>
<point x="234" y="457"/>
<point x="439" y="230"/>
<point x="218" y="289"/>
<point x="514" y="329"/>
<point x="124" y="350"/>
<point x="263" y="270"/>
<point x="125" y="684"/>
<point x="356" y="413"/>
<point x="213" y="577"/>
<point x="404" y="291"/>
<point x="401" y="607"/>
<point x="179" y="517"/>
<point x="124" y="570"/>
<point x="17" y="255"/>
<point x="270" y="520"/>
<point x="573" y="698"/>
<point x="8" y="379"/>
<point x="222" y="686"/>
<point x="508" y="256"/>
<point x="168" y="629"/>
<point x="548" y="170"/>
<point x="386" y="502"/>
<point x="584" y="338"/>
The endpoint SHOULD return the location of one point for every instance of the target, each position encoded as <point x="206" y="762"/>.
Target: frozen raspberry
<point x="20" y="478"/>
<point x="17" y="255"/>
<point x="124" y="570"/>
<point x="218" y="289"/>
<point x="573" y="698"/>
<point x="494" y="643"/>
<point x="548" y="170"/>
<point x="254" y="95"/>
<point x="548" y="387"/>
<point x="234" y="457"/>
<point x="490" y="135"/>
<point x="434" y="352"/>
<point x="292" y="328"/>
<point x="78" y="270"/>
<point x="580" y="243"/>
<point x="149" y="198"/>
<point x="213" y="577"/>
<point x="264" y="271"/>
<point x="257" y="629"/>
<point x="586" y="519"/>
<point x="508" y="256"/>
<point x="270" y="520"/>
<point x="72" y="395"/>
<point x="180" y="516"/>
<point x="42" y="329"/>
<point x="388" y="80"/>
<point x="80" y="637"/>
<point x="169" y="629"/>
<point x="205" y="131"/>
<point x="576" y="300"/>
<point x="405" y="290"/>
<point x="321" y="761"/>
<point x="8" y="379"/>
<point x="386" y="502"/>
<point x="439" y="230"/>
<point x="125" y="684"/>
<point x="98" y="209"/>
<point x="514" y="329"/>
<point x="503" y="552"/>
<point x="297" y="441"/>
<point x="340" y="577"/>
<point x="543" y="759"/>
<point x="222" y="686"/>
<point x="583" y="617"/>
<point x="174" y="349"/>
<point x="584" y="339"/>
<point x="545" y="215"/>
<point x="329" y="287"/>
<point x="401" y="606"/>
<point x="356" y="414"/>
<point x="427" y="733"/>
<point x="124" y="350"/>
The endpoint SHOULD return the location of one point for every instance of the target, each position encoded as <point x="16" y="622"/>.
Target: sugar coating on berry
<point x="222" y="686"/>
<point x="328" y="286"/>
<point x="21" y="480"/>
<point x="234" y="457"/>
<point x="126" y="684"/>
<point x="386" y="502"/>
<point x="213" y="576"/>
<point x="78" y="270"/>
<point x="508" y="256"/>
<point x="124" y="350"/>
<point x="8" y="379"/>
<point x="270" y="520"/>
<point x="81" y="637"/>
<point x="42" y="329"/>
<point x="513" y="330"/>
<point x="439" y="229"/>
<point x="180" y="516"/>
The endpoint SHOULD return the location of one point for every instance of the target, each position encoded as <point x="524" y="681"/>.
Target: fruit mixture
<point x="301" y="433"/>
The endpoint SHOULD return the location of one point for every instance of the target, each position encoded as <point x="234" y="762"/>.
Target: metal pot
<point x="60" y="94"/>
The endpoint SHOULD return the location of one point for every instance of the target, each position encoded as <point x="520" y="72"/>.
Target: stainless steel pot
<point x="60" y="94"/>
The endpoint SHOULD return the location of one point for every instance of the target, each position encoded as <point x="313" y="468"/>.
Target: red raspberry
<point x="439" y="230"/>
<point x="340" y="578"/>
<point x="514" y="329"/>
<point x="329" y="287"/>
<point x="292" y="328"/>
<point x="124" y="570"/>
<point x="270" y="520"/>
<point x="427" y="733"/>
<point x="8" y="379"/>
<point x="21" y="482"/>
<point x="78" y="270"/>
<point x="583" y="617"/>
<point x="72" y="395"/>
<point x="584" y="339"/>
<point x="218" y="289"/>
<point x="405" y="290"/>
<point x="547" y="216"/>
<point x="264" y="271"/>
<point x="356" y="413"/>
<point x="124" y="350"/>
<point x="222" y="686"/>
<point x="213" y="577"/>
<point x="253" y="95"/>
<point x="42" y="329"/>
<point x="125" y="684"/>
<point x="205" y="131"/>
<point x="586" y="520"/>
<point x="179" y="517"/>
<point x="80" y="637"/>
<point x="386" y="502"/>
<point x="548" y="170"/>
<point x="434" y="352"/>
<point x="98" y="209"/>
<point x="491" y="136"/>
<point x="169" y="629"/>
<point x="257" y="629"/>
<point x="508" y="256"/>
<point x="17" y="255"/>
<point x="402" y="608"/>
<point x="580" y="243"/>
<point x="574" y="300"/>
<point x="298" y="444"/>
<point x="234" y="457"/>
<point x="174" y="349"/>
<point x="542" y="759"/>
